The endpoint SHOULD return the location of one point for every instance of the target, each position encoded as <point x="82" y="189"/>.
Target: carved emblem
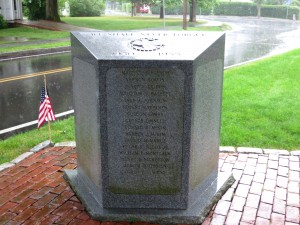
<point x="146" y="44"/>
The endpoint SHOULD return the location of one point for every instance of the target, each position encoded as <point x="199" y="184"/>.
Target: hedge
<point x="3" y="23"/>
<point x="169" y="10"/>
<point x="178" y="10"/>
<point x="235" y="9"/>
<point x="238" y="9"/>
<point x="277" y="11"/>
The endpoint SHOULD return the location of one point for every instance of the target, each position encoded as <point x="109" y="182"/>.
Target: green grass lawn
<point x="261" y="103"/>
<point x="123" y="22"/>
<point x="34" y="46"/>
<point x="29" y="32"/>
<point x="261" y="108"/>
<point x="34" y="35"/>
<point x="10" y="148"/>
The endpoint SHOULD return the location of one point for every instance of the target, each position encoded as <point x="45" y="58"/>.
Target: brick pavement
<point x="266" y="190"/>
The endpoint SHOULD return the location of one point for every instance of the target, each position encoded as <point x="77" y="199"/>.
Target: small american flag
<point x="45" y="110"/>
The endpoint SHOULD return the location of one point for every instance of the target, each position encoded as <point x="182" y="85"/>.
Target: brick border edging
<point x="33" y="150"/>
<point x="223" y="149"/>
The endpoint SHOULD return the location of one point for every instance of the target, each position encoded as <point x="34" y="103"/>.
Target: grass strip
<point x="34" y="46"/>
<point x="123" y="22"/>
<point x="33" y="33"/>
<point x="10" y="148"/>
<point x="261" y="108"/>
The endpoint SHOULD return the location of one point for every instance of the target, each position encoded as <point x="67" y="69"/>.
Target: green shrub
<point x="3" y="23"/>
<point x="279" y="11"/>
<point x="250" y="9"/>
<point x="35" y="10"/>
<point x="235" y="9"/>
<point x="86" y="7"/>
<point x="178" y="10"/>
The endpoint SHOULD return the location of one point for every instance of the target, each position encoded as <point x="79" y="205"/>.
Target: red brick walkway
<point x="266" y="191"/>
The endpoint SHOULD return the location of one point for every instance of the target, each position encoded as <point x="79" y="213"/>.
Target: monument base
<point x="196" y="213"/>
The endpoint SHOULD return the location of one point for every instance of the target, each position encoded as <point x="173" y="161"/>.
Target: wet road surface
<point x="21" y="79"/>
<point x="253" y="38"/>
<point x="20" y="95"/>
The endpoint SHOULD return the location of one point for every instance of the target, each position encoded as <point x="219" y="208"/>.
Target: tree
<point x="296" y="3"/>
<point x="62" y="6"/>
<point x="258" y="5"/>
<point x="35" y="10"/>
<point x="193" y="6"/>
<point x="134" y="3"/>
<point x="202" y="4"/>
<point x="168" y="4"/>
<point x="275" y="2"/>
<point x="52" y="10"/>
<point x="41" y="9"/>
<point x="162" y="10"/>
<point x="86" y="7"/>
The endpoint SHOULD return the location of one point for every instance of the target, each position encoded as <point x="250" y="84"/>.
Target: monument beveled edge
<point x="147" y="114"/>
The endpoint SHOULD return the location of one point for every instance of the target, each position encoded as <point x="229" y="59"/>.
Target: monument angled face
<point x="147" y="111"/>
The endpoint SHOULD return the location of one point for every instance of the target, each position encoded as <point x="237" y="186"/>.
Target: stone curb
<point x="33" y="52"/>
<point x="223" y="149"/>
<point x="249" y="150"/>
<point x="41" y="146"/>
<point x="66" y="144"/>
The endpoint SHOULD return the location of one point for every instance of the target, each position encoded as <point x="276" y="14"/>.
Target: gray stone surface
<point x="227" y="149"/>
<point x="68" y="144"/>
<point x="249" y="150"/>
<point x="296" y="152"/>
<point x="41" y="146"/>
<point x="147" y="114"/>
<point x="276" y="151"/>
<point x="6" y="165"/>
<point x="22" y="157"/>
<point x="194" y="214"/>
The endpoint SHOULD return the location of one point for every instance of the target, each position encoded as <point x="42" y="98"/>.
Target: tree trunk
<point x="193" y="11"/>
<point x="52" y="10"/>
<point x="184" y="24"/>
<point x="258" y="10"/>
<point x="133" y="9"/>
<point x="161" y="11"/>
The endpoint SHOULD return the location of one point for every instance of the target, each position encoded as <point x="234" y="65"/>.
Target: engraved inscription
<point x="145" y="123"/>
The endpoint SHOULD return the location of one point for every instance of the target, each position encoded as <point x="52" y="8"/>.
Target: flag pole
<point x="49" y="126"/>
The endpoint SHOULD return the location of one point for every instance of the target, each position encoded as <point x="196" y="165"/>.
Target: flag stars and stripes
<point x="46" y="110"/>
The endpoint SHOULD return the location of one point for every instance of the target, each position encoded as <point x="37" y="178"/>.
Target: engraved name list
<point x="145" y="129"/>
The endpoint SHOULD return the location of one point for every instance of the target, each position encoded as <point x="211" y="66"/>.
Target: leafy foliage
<point x="86" y="7"/>
<point x="206" y="4"/>
<point x="35" y="9"/>
<point x="236" y="9"/>
<point x="3" y="23"/>
<point x="296" y="3"/>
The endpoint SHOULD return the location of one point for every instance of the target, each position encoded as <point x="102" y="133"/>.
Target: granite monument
<point x="147" y="117"/>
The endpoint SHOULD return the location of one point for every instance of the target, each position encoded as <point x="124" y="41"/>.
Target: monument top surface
<point x="147" y="45"/>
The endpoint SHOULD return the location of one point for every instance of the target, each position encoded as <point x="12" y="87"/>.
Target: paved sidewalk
<point x="266" y="191"/>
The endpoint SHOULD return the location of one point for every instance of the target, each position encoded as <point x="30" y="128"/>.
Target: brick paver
<point x="266" y="190"/>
